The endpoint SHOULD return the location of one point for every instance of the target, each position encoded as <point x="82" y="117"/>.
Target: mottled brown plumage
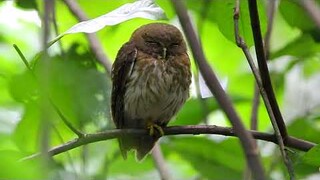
<point x="151" y="78"/>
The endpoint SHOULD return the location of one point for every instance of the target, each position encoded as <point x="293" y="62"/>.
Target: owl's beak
<point x="164" y="53"/>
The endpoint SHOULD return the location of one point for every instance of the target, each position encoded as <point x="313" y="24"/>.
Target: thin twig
<point x="220" y="95"/>
<point x="275" y="116"/>
<point x="159" y="162"/>
<point x="255" y="108"/>
<point x="23" y="58"/>
<point x="173" y="130"/>
<point x="56" y="29"/>
<point x="271" y="8"/>
<point x="242" y="44"/>
<point x="65" y="120"/>
<point x="94" y="43"/>
<point x="313" y="9"/>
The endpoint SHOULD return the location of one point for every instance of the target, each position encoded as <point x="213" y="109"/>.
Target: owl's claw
<point x="152" y="127"/>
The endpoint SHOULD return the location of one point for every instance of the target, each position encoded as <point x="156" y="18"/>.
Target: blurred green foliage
<point x="80" y="88"/>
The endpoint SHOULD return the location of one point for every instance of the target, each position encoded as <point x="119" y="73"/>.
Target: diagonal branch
<point x="224" y="101"/>
<point x="94" y="43"/>
<point x="266" y="87"/>
<point x="173" y="130"/>
<point x="263" y="68"/>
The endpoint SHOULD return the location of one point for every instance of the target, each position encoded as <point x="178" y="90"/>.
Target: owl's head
<point x="160" y="40"/>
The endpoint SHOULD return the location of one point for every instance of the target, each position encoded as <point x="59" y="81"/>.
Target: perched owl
<point x="151" y="78"/>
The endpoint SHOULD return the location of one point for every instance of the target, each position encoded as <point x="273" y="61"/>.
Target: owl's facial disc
<point x="157" y="48"/>
<point x="161" y="41"/>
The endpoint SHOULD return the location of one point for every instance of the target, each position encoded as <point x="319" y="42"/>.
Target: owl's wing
<point x="121" y="70"/>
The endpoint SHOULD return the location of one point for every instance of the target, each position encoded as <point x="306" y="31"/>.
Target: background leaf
<point x="210" y="157"/>
<point x="143" y="9"/>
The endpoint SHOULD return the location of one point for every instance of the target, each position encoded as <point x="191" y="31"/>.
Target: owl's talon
<point x="152" y="127"/>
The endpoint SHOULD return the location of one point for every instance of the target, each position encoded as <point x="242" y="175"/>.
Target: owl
<point x="150" y="83"/>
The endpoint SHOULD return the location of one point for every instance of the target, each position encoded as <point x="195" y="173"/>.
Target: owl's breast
<point x="155" y="91"/>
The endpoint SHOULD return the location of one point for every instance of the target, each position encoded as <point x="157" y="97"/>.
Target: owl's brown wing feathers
<point x="121" y="70"/>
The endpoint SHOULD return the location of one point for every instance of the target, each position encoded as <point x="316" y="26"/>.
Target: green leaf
<point x="221" y="12"/>
<point x="311" y="66"/>
<point x="305" y="129"/>
<point x="301" y="168"/>
<point x="312" y="157"/>
<point x="12" y="168"/>
<point x="193" y="112"/>
<point x="295" y="15"/>
<point x="211" y="159"/>
<point x="26" y="135"/>
<point x="307" y="163"/>
<point x="302" y="47"/>
<point x="78" y="88"/>
<point x="27" y="4"/>
<point x="130" y="167"/>
<point x="23" y="87"/>
<point x="6" y="142"/>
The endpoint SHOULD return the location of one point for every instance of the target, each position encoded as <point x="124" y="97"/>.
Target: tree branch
<point x="263" y="67"/>
<point x="173" y="130"/>
<point x="274" y="113"/>
<point x="94" y="42"/>
<point x="224" y="101"/>
<point x="159" y="162"/>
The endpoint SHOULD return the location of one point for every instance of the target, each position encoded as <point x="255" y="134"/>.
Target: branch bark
<point x="270" y="100"/>
<point x="263" y="67"/>
<point x="224" y="101"/>
<point x="173" y="130"/>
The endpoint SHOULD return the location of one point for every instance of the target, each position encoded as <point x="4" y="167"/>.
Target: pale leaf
<point x="140" y="9"/>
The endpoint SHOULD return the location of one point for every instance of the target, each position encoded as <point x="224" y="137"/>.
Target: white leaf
<point x="144" y="9"/>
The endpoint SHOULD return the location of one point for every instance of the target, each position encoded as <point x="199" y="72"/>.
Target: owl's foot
<point x="152" y="127"/>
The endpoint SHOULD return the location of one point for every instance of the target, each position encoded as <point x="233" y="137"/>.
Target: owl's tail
<point x="142" y="144"/>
